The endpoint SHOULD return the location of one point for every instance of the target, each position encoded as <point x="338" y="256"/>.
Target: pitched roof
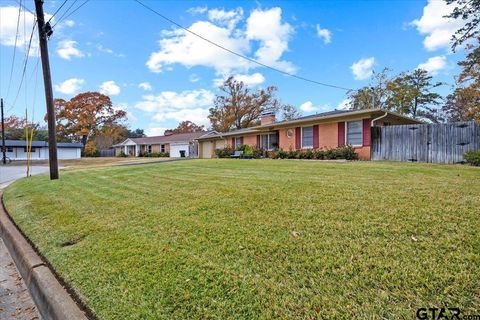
<point x="306" y="119"/>
<point x="41" y="144"/>
<point x="172" y="138"/>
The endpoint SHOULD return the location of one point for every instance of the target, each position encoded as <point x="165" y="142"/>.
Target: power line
<point x="64" y="13"/>
<point x="27" y="54"/>
<point x="75" y="10"/>
<point x="14" y="49"/>
<point x="239" y="54"/>
<point x="57" y="11"/>
<point x="23" y="6"/>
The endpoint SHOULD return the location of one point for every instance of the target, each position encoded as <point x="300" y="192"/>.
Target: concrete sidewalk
<point x="15" y="301"/>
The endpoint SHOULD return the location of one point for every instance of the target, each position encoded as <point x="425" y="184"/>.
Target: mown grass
<point x="250" y="239"/>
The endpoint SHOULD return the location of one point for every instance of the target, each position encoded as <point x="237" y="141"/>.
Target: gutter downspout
<point x="378" y="118"/>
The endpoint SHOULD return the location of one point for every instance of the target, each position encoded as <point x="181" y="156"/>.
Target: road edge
<point x="51" y="298"/>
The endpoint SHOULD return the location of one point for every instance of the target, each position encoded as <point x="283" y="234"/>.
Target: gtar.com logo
<point x="438" y="313"/>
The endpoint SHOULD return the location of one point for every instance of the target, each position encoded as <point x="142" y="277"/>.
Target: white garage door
<point x="176" y="148"/>
<point x="206" y="149"/>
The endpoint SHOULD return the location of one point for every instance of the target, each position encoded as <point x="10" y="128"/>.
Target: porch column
<point x="125" y="150"/>
<point x="136" y="150"/>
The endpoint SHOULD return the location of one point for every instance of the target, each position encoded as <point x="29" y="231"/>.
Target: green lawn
<point x="260" y="239"/>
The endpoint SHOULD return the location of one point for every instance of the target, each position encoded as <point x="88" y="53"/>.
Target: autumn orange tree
<point x="464" y="102"/>
<point x="186" y="127"/>
<point x="85" y="115"/>
<point x="240" y="107"/>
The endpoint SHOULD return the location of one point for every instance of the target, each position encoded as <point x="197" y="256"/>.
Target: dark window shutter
<point x="367" y="135"/>
<point x="258" y="141"/>
<point x="341" y="134"/>
<point x="241" y="141"/>
<point x="298" y="138"/>
<point x="233" y="142"/>
<point x="315" y="136"/>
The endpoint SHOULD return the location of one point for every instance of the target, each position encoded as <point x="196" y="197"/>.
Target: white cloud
<point x="434" y="64"/>
<point x="109" y="88"/>
<point x="101" y="48"/>
<point x="198" y="10"/>
<point x="226" y="18"/>
<point x="174" y="100"/>
<point x="194" y="78"/>
<point x="8" y="28"/>
<point x="248" y="79"/>
<point x="363" y="68"/>
<point x="69" y="23"/>
<point x="266" y="26"/>
<point x="69" y="86"/>
<point x="438" y="29"/>
<point x="190" y="105"/>
<point x="309" y="107"/>
<point x="145" y="86"/>
<point x="155" y="131"/>
<point x="325" y="34"/>
<point x="197" y="115"/>
<point x="124" y="106"/>
<point x="66" y="49"/>
<point x="344" y="104"/>
<point x="264" y="29"/>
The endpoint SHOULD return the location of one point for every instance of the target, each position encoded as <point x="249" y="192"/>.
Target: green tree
<point x="412" y="93"/>
<point x="372" y="96"/>
<point x="290" y="112"/>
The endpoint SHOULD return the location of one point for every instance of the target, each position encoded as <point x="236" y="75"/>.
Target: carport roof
<point x="41" y="144"/>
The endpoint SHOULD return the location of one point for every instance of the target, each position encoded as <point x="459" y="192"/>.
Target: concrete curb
<point x="52" y="299"/>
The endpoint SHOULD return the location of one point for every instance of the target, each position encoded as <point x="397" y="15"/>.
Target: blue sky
<point x="162" y="75"/>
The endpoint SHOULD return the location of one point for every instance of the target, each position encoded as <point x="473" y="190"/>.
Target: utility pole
<point x="4" y="156"/>
<point x="43" y="32"/>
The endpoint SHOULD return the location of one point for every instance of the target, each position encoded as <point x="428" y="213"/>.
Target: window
<point x="269" y="141"/>
<point x="307" y="137"/>
<point x="149" y="148"/>
<point x="238" y="142"/>
<point x="162" y="148"/>
<point x="355" y="133"/>
<point x="8" y="149"/>
<point x="32" y="149"/>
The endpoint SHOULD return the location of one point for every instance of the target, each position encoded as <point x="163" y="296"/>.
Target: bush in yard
<point x="225" y="152"/>
<point x="122" y="154"/>
<point x="156" y="154"/>
<point x="472" y="157"/>
<point x="346" y="152"/>
<point x="91" y="149"/>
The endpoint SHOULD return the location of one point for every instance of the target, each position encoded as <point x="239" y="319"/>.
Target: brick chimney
<point x="267" y="118"/>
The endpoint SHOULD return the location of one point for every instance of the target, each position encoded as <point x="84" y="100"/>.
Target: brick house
<point x="173" y="144"/>
<point x="323" y="130"/>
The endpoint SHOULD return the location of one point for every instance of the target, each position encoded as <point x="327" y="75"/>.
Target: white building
<point x="17" y="150"/>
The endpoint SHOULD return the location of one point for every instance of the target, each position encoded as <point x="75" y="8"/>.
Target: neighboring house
<point x="171" y="143"/>
<point x="17" y="150"/>
<point x="323" y="130"/>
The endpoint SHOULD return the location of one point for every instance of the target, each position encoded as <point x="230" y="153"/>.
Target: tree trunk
<point x="84" y="142"/>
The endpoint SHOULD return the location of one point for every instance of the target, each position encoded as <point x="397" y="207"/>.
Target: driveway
<point x="15" y="300"/>
<point x="10" y="173"/>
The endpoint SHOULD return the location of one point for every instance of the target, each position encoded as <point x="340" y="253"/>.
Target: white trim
<point x="346" y="133"/>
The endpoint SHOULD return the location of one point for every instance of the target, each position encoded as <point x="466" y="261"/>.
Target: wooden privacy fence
<point x="435" y="143"/>
<point x="107" y="153"/>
